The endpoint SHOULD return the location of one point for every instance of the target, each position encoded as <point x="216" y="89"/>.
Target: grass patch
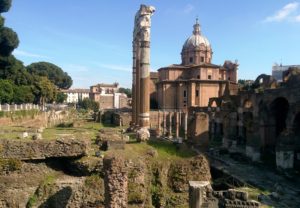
<point x="168" y="149"/>
<point x="15" y="115"/>
<point x="10" y="164"/>
<point x="93" y="181"/>
<point x="87" y="129"/>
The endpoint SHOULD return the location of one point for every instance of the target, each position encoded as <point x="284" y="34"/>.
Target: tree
<point x="23" y="94"/>
<point x="13" y="69"/>
<point x="61" y="97"/>
<point x="5" y="5"/>
<point x="8" y="41"/>
<point x="54" y="73"/>
<point x="89" y="104"/>
<point x="127" y="91"/>
<point x="6" y="91"/>
<point x="44" y="90"/>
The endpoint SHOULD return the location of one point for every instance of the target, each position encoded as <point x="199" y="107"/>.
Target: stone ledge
<point x="42" y="149"/>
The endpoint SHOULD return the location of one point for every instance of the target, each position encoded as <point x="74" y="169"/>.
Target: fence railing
<point x="15" y="107"/>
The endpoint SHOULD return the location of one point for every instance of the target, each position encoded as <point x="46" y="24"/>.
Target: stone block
<point x="142" y="135"/>
<point x="24" y="135"/>
<point x="113" y="145"/>
<point x="197" y="193"/>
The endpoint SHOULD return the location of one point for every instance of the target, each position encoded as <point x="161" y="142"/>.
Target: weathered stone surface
<point x="180" y="173"/>
<point x="86" y="166"/>
<point x="113" y="145"/>
<point x="38" y="185"/>
<point x="198" y="129"/>
<point x="108" y="134"/>
<point x="142" y="135"/>
<point x="42" y="149"/>
<point x="137" y="183"/>
<point x="116" y="181"/>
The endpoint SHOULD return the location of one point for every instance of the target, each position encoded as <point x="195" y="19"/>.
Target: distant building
<point x="76" y="95"/>
<point x="196" y="79"/>
<point x="108" y="96"/>
<point x="277" y="70"/>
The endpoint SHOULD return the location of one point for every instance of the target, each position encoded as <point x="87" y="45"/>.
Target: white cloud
<point x="28" y="54"/>
<point x="297" y="18"/>
<point x="115" y="67"/>
<point x="188" y="8"/>
<point x="285" y="13"/>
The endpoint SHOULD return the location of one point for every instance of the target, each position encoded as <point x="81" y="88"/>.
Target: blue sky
<point x="91" y="40"/>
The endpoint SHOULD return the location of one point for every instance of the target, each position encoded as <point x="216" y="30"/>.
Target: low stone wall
<point x="42" y="149"/>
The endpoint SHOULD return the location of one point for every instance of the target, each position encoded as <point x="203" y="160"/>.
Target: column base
<point x="143" y="134"/>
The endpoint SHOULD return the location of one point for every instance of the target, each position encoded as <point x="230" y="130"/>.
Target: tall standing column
<point x="185" y="124"/>
<point x="176" y="124"/>
<point x="133" y="116"/>
<point x="144" y="120"/>
<point x="170" y="125"/>
<point x="142" y="36"/>
<point x="164" y="124"/>
<point x="137" y="89"/>
<point x="158" y="125"/>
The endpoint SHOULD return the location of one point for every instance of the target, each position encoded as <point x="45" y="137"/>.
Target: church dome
<point x="196" y="39"/>
<point x="196" y="49"/>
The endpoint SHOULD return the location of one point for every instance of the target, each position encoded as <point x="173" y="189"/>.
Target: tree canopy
<point x="6" y="91"/>
<point x="89" y="104"/>
<point x="127" y="91"/>
<point x="8" y="41"/>
<point x="44" y="90"/>
<point x="5" y="5"/>
<point x="54" y="73"/>
<point x="61" y="97"/>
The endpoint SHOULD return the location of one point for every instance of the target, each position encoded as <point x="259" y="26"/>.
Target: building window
<point x="191" y="59"/>
<point x="184" y="93"/>
<point x="209" y="77"/>
<point x="198" y="76"/>
<point x="202" y="59"/>
<point x="197" y="93"/>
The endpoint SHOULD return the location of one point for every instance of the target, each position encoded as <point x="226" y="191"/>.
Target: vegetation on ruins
<point x="36" y="83"/>
<point x="89" y="104"/>
<point x="61" y="97"/>
<point x="127" y="91"/>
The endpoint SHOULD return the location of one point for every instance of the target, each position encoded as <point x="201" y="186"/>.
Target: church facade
<point x="196" y="79"/>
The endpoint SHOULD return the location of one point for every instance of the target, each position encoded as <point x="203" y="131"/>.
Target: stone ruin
<point x="141" y="71"/>
<point x="110" y="138"/>
<point x="201" y="195"/>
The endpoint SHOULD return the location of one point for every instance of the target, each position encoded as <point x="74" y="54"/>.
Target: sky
<point x="92" y="40"/>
